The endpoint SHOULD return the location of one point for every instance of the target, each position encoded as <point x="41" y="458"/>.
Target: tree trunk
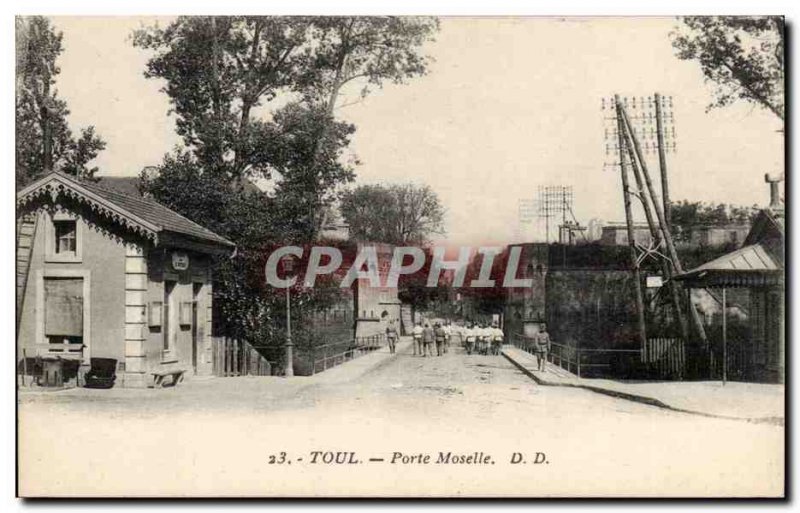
<point x="47" y="133"/>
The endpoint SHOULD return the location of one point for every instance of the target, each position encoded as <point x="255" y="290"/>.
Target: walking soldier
<point x="542" y="342"/>
<point x="417" y="335"/>
<point x="427" y="340"/>
<point x="439" y="335"/>
<point x="391" y="335"/>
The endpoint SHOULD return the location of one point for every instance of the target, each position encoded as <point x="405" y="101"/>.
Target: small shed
<point x="110" y="274"/>
<point x="758" y="268"/>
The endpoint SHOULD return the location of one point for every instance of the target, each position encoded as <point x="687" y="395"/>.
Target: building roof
<point x="758" y="263"/>
<point x="748" y="258"/>
<point x="142" y="215"/>
<point x="126" y="184"/>
<point x="751" y="265"/>
<point x="768" y="223"/>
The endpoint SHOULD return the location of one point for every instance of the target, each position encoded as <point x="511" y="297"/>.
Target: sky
<point x="510" y="104"/>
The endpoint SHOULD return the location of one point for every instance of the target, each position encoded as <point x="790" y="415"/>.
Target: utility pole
<point x="673" y="254"/>
<point x="563" y="223"/>
<point x="655" y="234"/>
<point x="662" y="159"/>
<point x="288" y="267"/>
<point x="724" y="336"/>
<point x="637" y="285"/>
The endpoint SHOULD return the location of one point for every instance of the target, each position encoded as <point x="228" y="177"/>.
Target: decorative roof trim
<point x="58" y="184"/>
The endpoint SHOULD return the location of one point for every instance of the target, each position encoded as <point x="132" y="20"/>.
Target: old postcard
<point x="400" y="256"/>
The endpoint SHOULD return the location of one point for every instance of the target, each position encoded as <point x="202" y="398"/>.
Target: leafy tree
<point x="222" y="75"/>
<point x="688" y="215"/>
<point x="741" y="55"/>
<point x="221" y="72"/>
<point x="396" y="214"/>
<point x="44" y="140"/>
<point x="413" y="289"/>
<point x="362" y="50"/>
<point x="311" y="165"/>
<point x="366" y="50"/>
<point x="217" y="72"/>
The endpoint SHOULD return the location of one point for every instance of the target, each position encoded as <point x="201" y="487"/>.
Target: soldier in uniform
<point x="497" y="339"/>
<point x="469" y="337"/>
<point x="416" y="333"/>
<point x="477" y="329"/>
<point x="542" y="342"/>
<point x="391" y="335"/>
<point x="448" y="335"/>
<point x="427" y="340"/>
<point x="440" y="335"/>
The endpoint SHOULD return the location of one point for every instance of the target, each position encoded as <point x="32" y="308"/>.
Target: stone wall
<point x="591" y="308"/>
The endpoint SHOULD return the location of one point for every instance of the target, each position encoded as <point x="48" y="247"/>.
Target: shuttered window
<point x="63" y="306"/>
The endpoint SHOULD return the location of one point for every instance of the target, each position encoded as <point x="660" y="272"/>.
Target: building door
<point x="196" y="288"/>
<point x="170" y="322"/>
<point x="774" y="337"/>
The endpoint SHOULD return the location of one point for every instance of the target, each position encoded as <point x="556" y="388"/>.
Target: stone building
<point x="616" y="234"/>
<point x="105" y="273"/>
<point x="719" y="235"/>
<point x="374" y="307"/>
<point x="525" y="306"/>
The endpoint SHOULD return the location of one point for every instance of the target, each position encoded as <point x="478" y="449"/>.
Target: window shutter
<point x="63" y="306"/>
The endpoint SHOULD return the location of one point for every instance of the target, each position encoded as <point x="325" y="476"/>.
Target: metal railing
<point x="576" y="360"/>
<point x="359" y="347"/>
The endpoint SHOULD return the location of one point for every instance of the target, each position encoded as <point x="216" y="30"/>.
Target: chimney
<point x="774" y="196"/>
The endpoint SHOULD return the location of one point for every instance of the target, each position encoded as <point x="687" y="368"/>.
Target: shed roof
<point x="748" y="266"/>
<point x="749" y="258"/>
<point x="142" y="215"/>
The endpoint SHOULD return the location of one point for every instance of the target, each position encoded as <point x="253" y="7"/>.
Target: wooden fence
<point x="665" y="358"/>
<point x="232" y="357"/>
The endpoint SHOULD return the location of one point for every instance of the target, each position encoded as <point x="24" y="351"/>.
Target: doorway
<point x="196" y="290"/>
<point x="170" y="324"/>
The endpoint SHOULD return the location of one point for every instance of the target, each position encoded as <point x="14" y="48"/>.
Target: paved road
<point x="219" y="437"/>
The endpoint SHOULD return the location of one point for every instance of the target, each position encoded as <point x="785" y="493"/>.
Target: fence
<point x="233" y="357"/>
<point x="359" y="347"/>
<point x="665" y="358"/>
<point x="661" y="358"/>
<point x="566" y="357"/>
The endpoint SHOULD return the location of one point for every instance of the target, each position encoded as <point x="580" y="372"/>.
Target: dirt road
<point x="456" y="425"/>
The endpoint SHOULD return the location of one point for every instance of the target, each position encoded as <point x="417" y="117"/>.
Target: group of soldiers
<point x="476" y="338"/>
<point x="439" y="334"/>
<point x="482" y="338"/>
